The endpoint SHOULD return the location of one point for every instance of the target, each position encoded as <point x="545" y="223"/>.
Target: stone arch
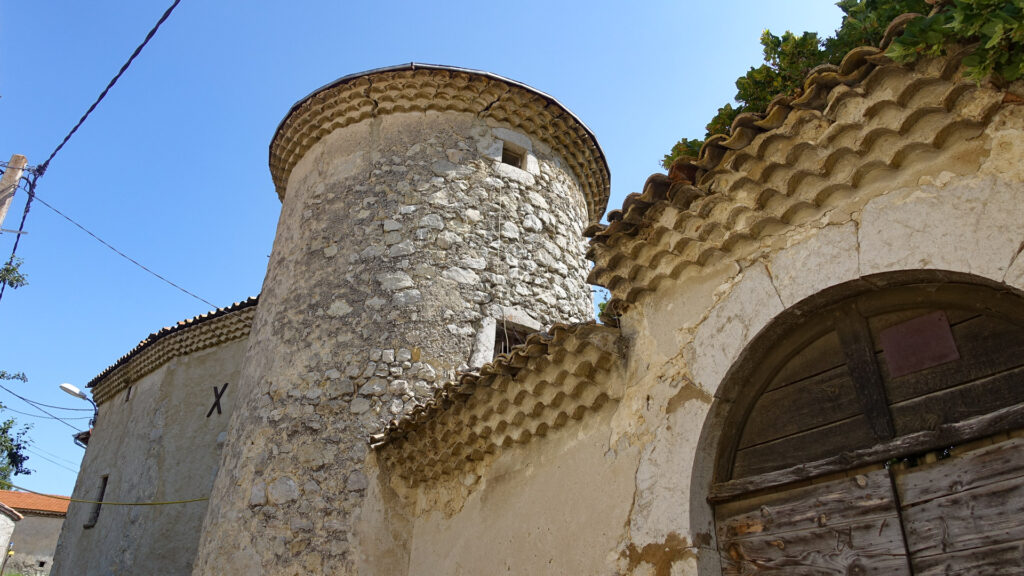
<point x="816" y="324"/>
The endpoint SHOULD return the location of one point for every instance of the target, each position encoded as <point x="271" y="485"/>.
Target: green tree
<point x="13" y="440"/>
<point x="11" y="275"/>
<point x="992" y="29"/>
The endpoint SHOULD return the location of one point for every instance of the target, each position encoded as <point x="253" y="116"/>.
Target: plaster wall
<point x="35" y="539"/>
<point x="403" y="242"/>
<point x="960" y="211"/>
<point x="7" y="525"/>
<point x="551" y="507"/>
<point x="157" y="445"/>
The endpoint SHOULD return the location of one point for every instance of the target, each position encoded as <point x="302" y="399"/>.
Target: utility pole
<point x="9" y="183"/>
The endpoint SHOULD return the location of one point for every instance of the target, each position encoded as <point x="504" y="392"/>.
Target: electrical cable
<point x="58" y="457"/>
<point x="38" y="171"/>
<point x="103" y="502"/>
<point x="5" y="408"/>
<point x="59" y="407"/>
<point x="122" y="254"/>
<point x="54" y="462"/>
<point x="33" y="404"/>
<point x="149" y="36"/>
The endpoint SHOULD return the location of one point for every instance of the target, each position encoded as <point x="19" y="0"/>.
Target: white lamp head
<point x="73" y="390"/>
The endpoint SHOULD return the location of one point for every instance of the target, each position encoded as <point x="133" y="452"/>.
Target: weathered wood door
<point x="879" y="435"/>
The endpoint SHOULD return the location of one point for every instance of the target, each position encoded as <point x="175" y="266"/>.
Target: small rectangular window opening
<point x="42" y="563"/>
<point x="128" y="394"/>
<point x="94" y="514"/>
<point x="508" y="335"/>
<point x="512" y="155"/>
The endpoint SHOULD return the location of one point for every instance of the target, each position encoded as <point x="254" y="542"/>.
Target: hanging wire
<point x="33" y="404"/>
<point x="54" y="462"/>
<point x="57" y="456"/>
<point x="8" y="409"/>
<point x="138" y="49"/>
<point x="122" y="254"/>
<point x="38" y="171"/>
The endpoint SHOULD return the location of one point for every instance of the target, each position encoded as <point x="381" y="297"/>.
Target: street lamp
<point x="82" y="438"/>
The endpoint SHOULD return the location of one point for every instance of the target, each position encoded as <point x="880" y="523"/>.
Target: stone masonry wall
<point x="403" y="240"/>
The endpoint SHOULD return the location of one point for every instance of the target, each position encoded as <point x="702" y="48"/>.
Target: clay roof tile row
<point x="30" y="502"/>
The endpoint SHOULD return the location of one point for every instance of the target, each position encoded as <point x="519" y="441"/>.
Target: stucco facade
<point x="35" y="539"/>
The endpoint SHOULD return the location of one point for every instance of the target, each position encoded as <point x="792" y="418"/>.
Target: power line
<point x="58" y="457"/>
<point x="42" y="167"/>
<point x="33" y="404"/>
<point x="39" y="170"/>
<point x="57" y="407"/>
<point x="122" y="254"/>
<point x="38" y="416"/>
<point x="54" y="462"/>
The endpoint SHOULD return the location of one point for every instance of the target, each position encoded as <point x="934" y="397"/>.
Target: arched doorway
<point x="880" y="433"/>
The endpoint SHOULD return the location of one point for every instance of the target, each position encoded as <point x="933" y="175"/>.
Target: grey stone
<point x="461" y="275"/>
<point x="374" y="387"/>
<point x="388" y="355"/>
<point x="398" y="387"/>
<point x="403" y="355"/>
<point x="258" y="494"/>
<point x="474" y="263"/>
<point x="427" y="373"/>
<point x="359" y="406"/>
<point x="432" y="221"/>
<point x="408" y="298"/>
<point x="339" y="308"/>
<point x="371" y="252"/>
<point x="356" y="481"/>
<point x="402" y="249"/>
<point x="391" y="225"/>
<point x="395" y="281"/>
<point x="282" y="490"/>
<point x="509" y="230"/>
<point x="532" y="223"/>
<point x="446" y="239"/>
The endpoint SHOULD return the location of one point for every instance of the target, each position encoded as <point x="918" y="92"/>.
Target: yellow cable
<point x="105" y="503"/>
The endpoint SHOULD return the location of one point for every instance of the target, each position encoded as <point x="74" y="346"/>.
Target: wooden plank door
<point x="845" y="526"/>
<point x="965" y="514"/>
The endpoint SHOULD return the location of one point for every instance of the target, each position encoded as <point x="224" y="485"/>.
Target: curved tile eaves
<point x="852" y="125"/>
<point x="539" y="386"/>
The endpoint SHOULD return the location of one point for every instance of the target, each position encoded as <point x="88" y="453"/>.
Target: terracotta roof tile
<point x="29" y="502"/>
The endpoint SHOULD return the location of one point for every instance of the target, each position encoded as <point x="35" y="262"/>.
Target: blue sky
<point x="172" y="166"/>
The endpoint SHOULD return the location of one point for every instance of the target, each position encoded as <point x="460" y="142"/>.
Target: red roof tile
<point x="27" y="501"/>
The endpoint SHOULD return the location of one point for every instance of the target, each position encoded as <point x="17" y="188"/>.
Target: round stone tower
<point x="432" y="216"/>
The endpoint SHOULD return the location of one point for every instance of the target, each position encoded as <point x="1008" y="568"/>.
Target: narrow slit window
<point x="512" y="154"/>
<point x="94" y="514"/>
<point x="128" y="394"/>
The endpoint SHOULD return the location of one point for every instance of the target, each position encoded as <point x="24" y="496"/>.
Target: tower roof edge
<point x="351" y="99"/>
